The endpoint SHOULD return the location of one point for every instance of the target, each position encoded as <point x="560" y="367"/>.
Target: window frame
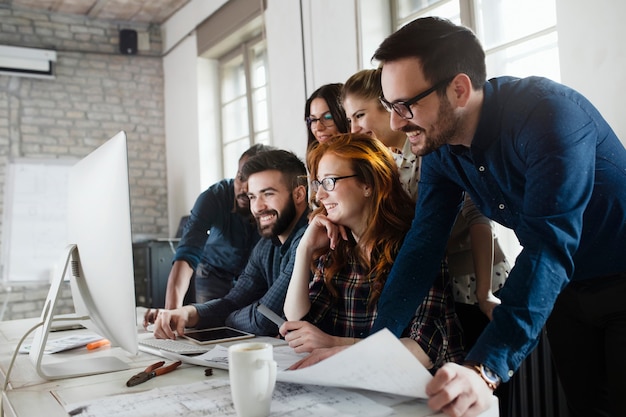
<point x="245" y="50"/>
<point x="468" y="15"/>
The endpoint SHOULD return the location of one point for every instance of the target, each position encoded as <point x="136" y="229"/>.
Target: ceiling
<point x="140" y="11"/>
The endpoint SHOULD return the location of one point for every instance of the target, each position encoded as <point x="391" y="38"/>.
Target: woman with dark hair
<point x="324" y="115"/>
<point x="350" y="244"/>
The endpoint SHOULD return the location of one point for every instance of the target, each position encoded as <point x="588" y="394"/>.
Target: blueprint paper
<point x="378" y="363"/>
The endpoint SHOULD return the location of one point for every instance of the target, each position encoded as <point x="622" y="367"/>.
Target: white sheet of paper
<point x="212" y="398"/>
<point x="62" y="344"/>
<point x="378" y="363"/>
<point x="218" y="357"/>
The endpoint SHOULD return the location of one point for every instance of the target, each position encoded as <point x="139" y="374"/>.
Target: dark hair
<point x="331" y="94"/>
<point x="292" y="168"/>
<point x="255" y="149"/>
<point x="443" y="48"/>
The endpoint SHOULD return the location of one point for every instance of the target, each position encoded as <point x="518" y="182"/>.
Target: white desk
<point x="31" y="396"/>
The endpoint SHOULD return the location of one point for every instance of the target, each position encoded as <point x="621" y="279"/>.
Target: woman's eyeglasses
<point x="328" y="183"/>
<point x="326" y="120"/>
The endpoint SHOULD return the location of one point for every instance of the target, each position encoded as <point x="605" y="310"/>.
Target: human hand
<point x="488" y="303"/>
<point x="149" y="317"/>
<point x="316" y="356"/>
<point x="458" y="391"/>
<point x="303" y="336"/>
<point x="170" y="323"/>
<point x="322" y="233"/>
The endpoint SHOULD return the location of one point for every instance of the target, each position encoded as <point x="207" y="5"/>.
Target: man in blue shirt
<point x="538" y="158"/>
<point x="277" y="190"/>
<point x="216" y="241"/>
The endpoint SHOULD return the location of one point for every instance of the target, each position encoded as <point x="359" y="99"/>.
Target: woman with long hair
<point x="350" y="245"/>
<point x="324" y="115"/>
<point x="360" y="97"/>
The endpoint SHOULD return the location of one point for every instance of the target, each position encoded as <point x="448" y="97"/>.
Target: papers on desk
<point x="378" y="363"/>
<point x="212" y="398"/>
<point x="218" y="357"/>
<point x="65" y="343"/>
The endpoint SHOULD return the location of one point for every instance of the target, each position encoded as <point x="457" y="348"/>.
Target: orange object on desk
<point x="97" y="344"/>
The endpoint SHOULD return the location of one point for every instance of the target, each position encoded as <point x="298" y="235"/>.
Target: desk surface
<point x="30" y="396"/>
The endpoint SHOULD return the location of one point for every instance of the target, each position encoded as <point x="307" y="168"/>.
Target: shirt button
<point x="481" y="168"/>
<point x="510" y="373"/>
<point x="501" y="206"/>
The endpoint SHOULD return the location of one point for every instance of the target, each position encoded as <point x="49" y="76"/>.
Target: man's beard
<point x="282" y="222"/>
<point x="239" y="209"/>
<point x="447" y="128"/>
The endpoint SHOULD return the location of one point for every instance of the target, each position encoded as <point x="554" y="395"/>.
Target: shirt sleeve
<point x="557" y="147"/>
<point x="250" y="286"/>
<point x="319" y="295"/>
<point x="248" y="318"/>
<point x="210" y="208"/>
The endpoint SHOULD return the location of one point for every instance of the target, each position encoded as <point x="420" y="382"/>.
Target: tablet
<point x="216" y="335"/>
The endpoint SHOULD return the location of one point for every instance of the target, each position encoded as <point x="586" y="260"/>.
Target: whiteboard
<point x="34" y="221"/>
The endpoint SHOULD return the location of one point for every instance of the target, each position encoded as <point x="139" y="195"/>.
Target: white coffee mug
<point x="252" y="373"/>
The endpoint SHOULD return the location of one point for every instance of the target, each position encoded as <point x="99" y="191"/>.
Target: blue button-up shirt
<point x="216" y="235"/>
<point x="544" y="163"/>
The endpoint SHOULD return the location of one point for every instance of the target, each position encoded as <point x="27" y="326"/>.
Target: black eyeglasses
<point x="326" y="119"/>
<point x="328" y="183"/>
<point x="403" y="108"/>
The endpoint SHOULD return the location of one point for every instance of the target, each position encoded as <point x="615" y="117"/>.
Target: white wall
<point x="184" y="22"/>
<point x="286" y="75"/>
<point x="592" y="52"/>
<point x="181" y="129"/>
<point x="330" y="42"/>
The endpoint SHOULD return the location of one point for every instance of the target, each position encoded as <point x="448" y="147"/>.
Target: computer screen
<point x="99" y="261"/>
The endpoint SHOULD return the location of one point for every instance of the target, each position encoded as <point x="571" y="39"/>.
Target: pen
<point x="97" y="344"/>
<point x="270" y="315"/>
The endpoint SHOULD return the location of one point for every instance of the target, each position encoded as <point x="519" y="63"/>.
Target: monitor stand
<point x="74" y="367"/>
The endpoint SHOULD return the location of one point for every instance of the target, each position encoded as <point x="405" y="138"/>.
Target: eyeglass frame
<point x="310" y="120"/>
<point x="315" y="184"/>
<point x="389" y="106"/>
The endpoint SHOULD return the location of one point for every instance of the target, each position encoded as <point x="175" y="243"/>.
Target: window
<point x="243" y="101"/>
<point x="408" y="10"/>
<point x="519" y="38"/>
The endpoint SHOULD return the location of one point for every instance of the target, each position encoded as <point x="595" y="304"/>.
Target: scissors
<point x="150" y="372"/>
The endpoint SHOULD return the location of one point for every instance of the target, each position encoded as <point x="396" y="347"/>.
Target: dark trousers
<point x="473" y="322"/>
<point x="211" y="283"/>
<point x="587" y="334"/>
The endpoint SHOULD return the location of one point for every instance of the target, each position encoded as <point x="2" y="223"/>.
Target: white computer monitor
<point x="99" y="262"/>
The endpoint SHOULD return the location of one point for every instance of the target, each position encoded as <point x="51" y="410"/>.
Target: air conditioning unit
<point x="27" y="62"/>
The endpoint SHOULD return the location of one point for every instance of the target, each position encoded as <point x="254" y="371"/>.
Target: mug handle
<point x="271" y="376"/>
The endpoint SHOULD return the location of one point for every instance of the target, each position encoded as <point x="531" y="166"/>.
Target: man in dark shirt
<point x="216" y="242"/>
<point x="537" y="157"/>
<point x="277" y="189"/>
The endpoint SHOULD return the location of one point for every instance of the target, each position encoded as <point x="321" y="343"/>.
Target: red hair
<point x="390" y="207"/>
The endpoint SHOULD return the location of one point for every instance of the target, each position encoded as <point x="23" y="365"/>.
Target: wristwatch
<point x="490" y="377"/>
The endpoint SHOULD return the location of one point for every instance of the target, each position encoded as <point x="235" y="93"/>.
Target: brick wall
<point x="97" y="92"/>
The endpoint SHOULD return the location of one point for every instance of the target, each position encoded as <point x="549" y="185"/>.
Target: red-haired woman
<point x="350" y="243"/>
